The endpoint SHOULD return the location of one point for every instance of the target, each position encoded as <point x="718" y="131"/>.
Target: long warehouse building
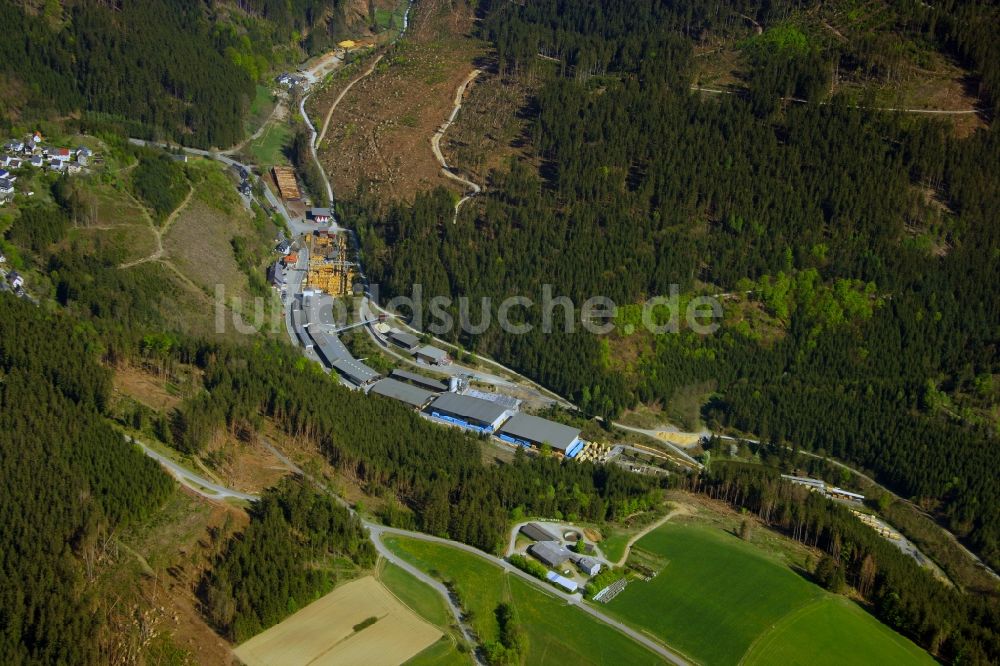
<point x="527" y="430"/>
<point x="405" y="393"/>
<point x="470" y="413"/>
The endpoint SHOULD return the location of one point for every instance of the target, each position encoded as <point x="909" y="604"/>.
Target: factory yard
<point x="338" y="629"/>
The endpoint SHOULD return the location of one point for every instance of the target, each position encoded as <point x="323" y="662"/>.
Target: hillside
<point x="845" y="245"/>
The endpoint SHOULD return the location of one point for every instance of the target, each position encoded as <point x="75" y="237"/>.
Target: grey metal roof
<point x="549" y="552"/>
<point x="404" y="338"/>
<point x="537" y="532"/>
<point x="539" y="430"/>
<point x="587" y="563"/>
<point x="397" y="390"/>
<point x="321" y="211"/>
<point x="420" y="380"/>
<point x="432" y="352"/>
<point x="356" y="371"/>
<point x="472" y="408"/>
<point x="329" y="346"/>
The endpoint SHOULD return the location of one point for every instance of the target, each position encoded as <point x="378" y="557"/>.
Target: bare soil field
<point x="379" y="134"/>
<point x="198" y="243"/>
<point x="324" y="632"/>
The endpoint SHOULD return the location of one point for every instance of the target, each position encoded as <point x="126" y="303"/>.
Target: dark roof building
<point x="528" y="430"/>
<point x="405" y="340"/>
<point x="471" y="413"/>
<point x="587" y="565"/>
<point x="321" y="215"/>
<point x="329" y="347"/>
<point x="536" y="532"/>
<point x="549" y="553"/>
<point x="355" y="371"/>
<point x="411" y="395"/>
<point x="431" y="354"/>
<point x="428" y="383"/>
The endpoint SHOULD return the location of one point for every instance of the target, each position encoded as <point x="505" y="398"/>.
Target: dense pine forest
<point x="68" y="480"/>
<point x="866" y="240"/>
<point x="436" y="474"/>
<point x="178" y="69"/>
<point x="284" y="560"/>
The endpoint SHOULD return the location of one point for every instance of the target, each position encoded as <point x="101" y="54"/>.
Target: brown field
<point x="380" y="132"/>
<point x="198" y="244"/>
<point x="323" y="632"/>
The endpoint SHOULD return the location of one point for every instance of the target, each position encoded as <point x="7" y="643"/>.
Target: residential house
<point x="16" y="279"/>
<point x="37" y="161"/>
<point x="15" y="146"/>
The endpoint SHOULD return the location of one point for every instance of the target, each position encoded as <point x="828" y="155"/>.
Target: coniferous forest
<point x="867" y="239"/>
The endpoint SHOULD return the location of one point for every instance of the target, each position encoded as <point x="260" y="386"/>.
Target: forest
<point x="861" y="234"/>
<point x="178" y="69"/>
<point x="435" y="476"/>
<point x="285" y="559"/>
<point x="68" y="481"/>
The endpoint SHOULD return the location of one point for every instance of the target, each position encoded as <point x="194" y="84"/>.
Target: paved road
<point x="378" y="531"/>
<point x="210" y="490"/>
<point x="195" y="482"/>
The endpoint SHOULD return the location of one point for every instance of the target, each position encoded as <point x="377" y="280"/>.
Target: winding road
<point x="473" y="188"/>
<point x="213" y="491"/>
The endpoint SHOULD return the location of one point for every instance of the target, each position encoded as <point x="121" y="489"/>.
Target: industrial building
<point x="320" y="215"/>
<point x="527" y="430"/>
<point x="406" y="393"/>
<point x="328" y="346"/>
<point x="470" y="413"/>
<point x="536" y="532"/>
<point x="407" y="341"/>
<point x="428" y="383"/>
<point x="355" y="371"/>
<point x="432" y="355"/>
<point x="549" y="553"/>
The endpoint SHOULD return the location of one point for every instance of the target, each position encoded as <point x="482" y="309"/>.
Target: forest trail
<point x="159" y="231"/>
<point x="473" y="188"/>
<point x="329" y="114"/>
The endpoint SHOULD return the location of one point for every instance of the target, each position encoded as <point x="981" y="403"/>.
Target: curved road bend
<point x="211" y="490"/>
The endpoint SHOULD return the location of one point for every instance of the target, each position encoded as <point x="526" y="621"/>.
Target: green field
<point x="557" y="633"/>
<point x="428" y="604"/>
<point x="268" y="149"/>
<point x="720" y="600"/>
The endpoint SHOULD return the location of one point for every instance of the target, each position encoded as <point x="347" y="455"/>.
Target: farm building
<point x="549" y="553"/>
<point x="354" y="371"/>
<point x="407" y="341"/>
<point x="397" y="390"/>
<point x="587" y="565"/>
<point x="320" y="215"/>
<point x="288" y="186"/>
<point x="565" y="583"/>
<point x="527" y="430"/>
<point x="428" y="383"/>
<point x="432" y="355"/>
<point x="471" y="413"/>
<point x="536" y="532"/>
